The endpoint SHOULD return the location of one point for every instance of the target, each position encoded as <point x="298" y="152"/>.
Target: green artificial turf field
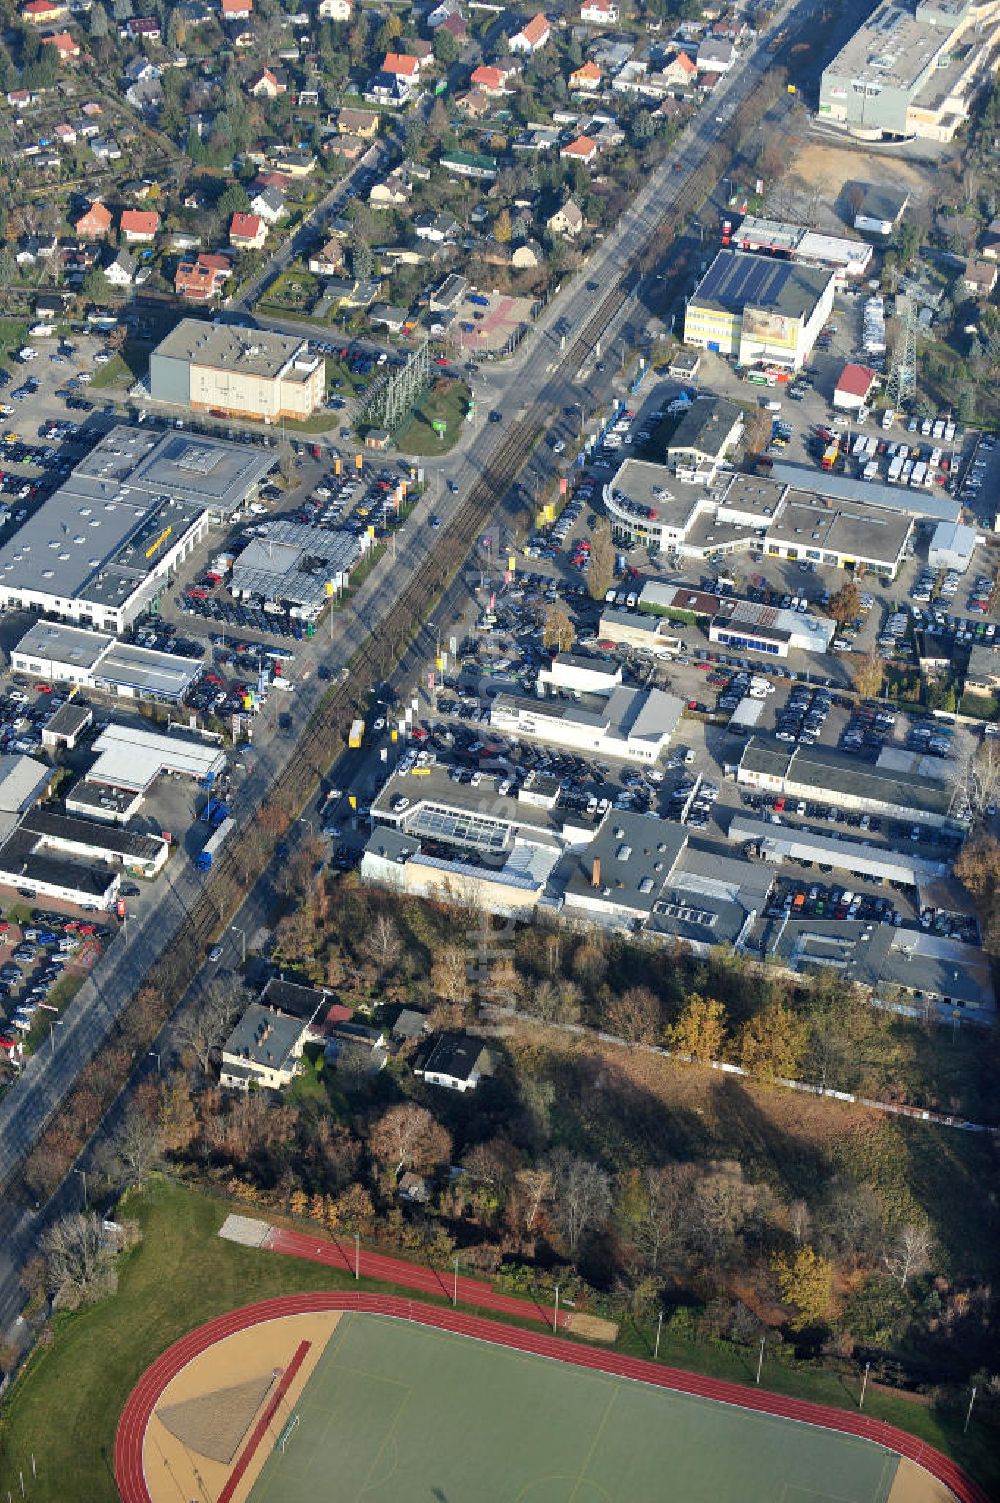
<point x="395" y="1412"/>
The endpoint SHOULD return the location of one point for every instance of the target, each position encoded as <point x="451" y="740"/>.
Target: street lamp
<point x="154" y="1054"/>
<point x="83" y="1175"/>
<point x="243" y="942"/>
<point x="52" y="1033"/>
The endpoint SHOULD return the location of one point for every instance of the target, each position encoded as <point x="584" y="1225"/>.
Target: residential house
<point x="422" y="50"/>
<point x="334" y="10"/>
<point x="20" y="99"/>
<point x="990" y="247"/>
<point x="527" y="256"/>
<point x="392" y="90"/>
<point x="138" y="226"/>
<point x="361" y="123"/>
<point x="567" y="220"/>
<point x="293" y="161"/>
<point x="414" y="1189"/>
<point x="586" y="79"/>
<point x="457" y="1062"/>
<point x="120" y="271"/>
<point x="144" y="28"/>
<point x="140" y="69"/>
<point x="268" y="204"/>
<point x="599" y="12"/>
<point x="493" y="80"/>
<point x="456" y="27"/>
<point x="983" y="673"/>
<point x="201" y="278"/>
<point x="475" y="104"/>
<point x="106" y="149"/>
<point x="183" y="240"/>
<point x="443" y="12"/>
<point x="264" y="1049"/>
<point x="410" y="1026"/>
<point x="394" y="190"/>
<point x="401" y="65"/>
<point x="65" y="134"/>
<point x="236" y="10"/>
<point x="67" y="46"/>
<point x="268" y="83"/>
<point x="680" y="70"/>
<point x="43" y="12"/>
<point x="979" y="278"/>
<point x="329" y="261"/>
<point x="470" y="164"/>
<point x="532" y="37"/>
<point x="582" y="149"/>
<point x="33" y="248"/>
<point x="94" y="222"/>
<point x="383" y="316"/>
<point x="355" y="1047"/>
<point x="247" y="231"/>
<point x="51" y="305"/>
<point x="715" y="55"/>
<point x="435" y="227"/>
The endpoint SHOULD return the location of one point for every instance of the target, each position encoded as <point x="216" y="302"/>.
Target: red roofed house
<point x="65" y="133"/>
<point x="247" y="231"/>
<point x="201" y="278"/>
<point x="586" y="80"/>
<point x="599" y="12"/>
<point x="138" y="225"/>
<point x="42" y="12"/>
<point x="492" y="81"/>
<point x="679" y="69"/>
<point x="854" y="387"/>
<point x="145" y="27"/>
<point x="236" y="10"/>
<point x="94" y="223"/>
<point x="66" y="45"/>
<point x="583" y="149"/>
<point x="531" y="38"/>
<point x="401" y="65"/>
<point x="268" y="84"/>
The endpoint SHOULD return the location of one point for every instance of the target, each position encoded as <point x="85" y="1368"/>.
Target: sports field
<point x="397" y="1411"/>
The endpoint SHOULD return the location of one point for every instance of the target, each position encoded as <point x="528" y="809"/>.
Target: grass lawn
<point x="12" y="335"/>
<point x="64" y="1407"/>
<point x="124" y="368"/>
<point x="445" y="401"/>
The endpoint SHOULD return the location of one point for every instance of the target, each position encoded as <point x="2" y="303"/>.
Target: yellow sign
<point x="512" y="563"/>
<point x="154" y="547"/>
<point x="359" y="462"/>
<point x="352" y="800"/>
<point x="336" y="466"/>
<point x="329" y="587"/>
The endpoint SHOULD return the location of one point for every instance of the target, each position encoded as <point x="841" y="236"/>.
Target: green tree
<point x="805" y="1281"/>
<point x="99" y="24"/>
<point x="445" y="47"/>
<point x="233" y="200"/>
<point x="388" y="32"/>
<point x="868" y="675"/>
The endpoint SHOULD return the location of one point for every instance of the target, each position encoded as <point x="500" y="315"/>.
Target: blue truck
<point x="213" y="845"/>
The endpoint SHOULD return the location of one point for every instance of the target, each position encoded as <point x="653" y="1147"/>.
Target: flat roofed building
<point x="795" y="242"/>
<point x="754" y="308"/>
<point x="571" y="670"/>
<point x="869" y="494"/>
<point x="68" y="654"/>
<point x="910" y="72"/>
<point x="634" y="725"/>
<point x="296" y="566"/>
<point x="749" y="626"/>
<point x="837" y="778"/>
<point x="67" y="725"/>
<point x="952" y="546"/>
<point x="106" y="544"/>
<point x="835" y="534"/>
<point x="619" y="876"/>
<point x="236" y="370"/>
<point x="132" y="757"/>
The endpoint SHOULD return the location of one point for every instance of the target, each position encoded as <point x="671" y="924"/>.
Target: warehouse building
<point x="854" y="387"/>
<point x="105" y="545"/>
<point x="822" y="772"/>
<point x="847" y="259"/>
<point x="755" y="309"/>
<point x="235" y="371"/>
<point x="746" y="626"/>
<point x="512" y="889"/>
<point x="633" y="725"/>
<point x="61" y="654"/>
<point x="911" y="71"/>
<point x="930" y="506"/>
<point x="296" y="567"/>
<point x="952" y="546"/>
<point x="769" y="842"/>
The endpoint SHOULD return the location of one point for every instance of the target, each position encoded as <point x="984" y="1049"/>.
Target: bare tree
<point x="535" y="1187"/>
<point x="798" y="1220"/>
<point x="582" y="1196"/>
<point x="383" y="943"/>
<point x="206" y="1024"/>
<point x="137" y="1145"/>
<point x="910" y="1254"/>
<point x="409" y="1137"/>
<point x="80" y="1260"/>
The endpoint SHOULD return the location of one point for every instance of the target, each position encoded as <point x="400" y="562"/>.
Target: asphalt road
<point x="537" y="372"/>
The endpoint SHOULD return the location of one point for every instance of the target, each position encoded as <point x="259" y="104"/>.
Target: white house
<point x="599" y="12"/>
<point x="532" y="37"/>
<point x="334" y="10"/>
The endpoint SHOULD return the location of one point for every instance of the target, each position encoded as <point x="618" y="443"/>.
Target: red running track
<point x="425" y="1280"/>
<point x="144" y="1397"/>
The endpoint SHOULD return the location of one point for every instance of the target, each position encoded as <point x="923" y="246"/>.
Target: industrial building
<point x="931" y="506"/>
<point x="756" y="309"/>
<point x="296" y="567"/>
<point x="847" y="259"/>
<point x="952" y="546"/>
<point x="61" y="654"/>
<point x="911" y="71"/>
<point x="834" y="776"/>
<point x="105" y="545"/>
<point x="634" y="725"/>
<point x="769" y="842"/>
<point x="236" y="371"/>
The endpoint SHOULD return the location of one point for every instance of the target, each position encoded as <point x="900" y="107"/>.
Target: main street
<point x="540" y="371"/>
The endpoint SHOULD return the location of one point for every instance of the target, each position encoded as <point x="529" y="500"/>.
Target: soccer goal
<point x="287" y="1431"/>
